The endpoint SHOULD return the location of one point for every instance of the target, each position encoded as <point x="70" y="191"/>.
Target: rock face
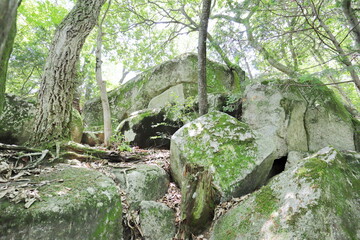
<point x="175" y="79"/>
<point x="77" y="204"/>
<point x="143" y="182"/>
<point x="292" y="118"/>
<point x="157" y="221"/>
<point x="224" y="146"/>
<point x="319" y="198"/>
<point x="16" y="121"/>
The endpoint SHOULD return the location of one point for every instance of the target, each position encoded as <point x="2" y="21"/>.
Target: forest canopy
<point x="301" y="40"/>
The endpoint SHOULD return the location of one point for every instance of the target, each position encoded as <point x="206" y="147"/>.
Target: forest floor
<point x="16" y="166"/>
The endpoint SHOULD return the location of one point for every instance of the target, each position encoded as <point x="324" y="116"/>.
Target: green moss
<point x="81" y="201"/>
<point x="265" y="201"/>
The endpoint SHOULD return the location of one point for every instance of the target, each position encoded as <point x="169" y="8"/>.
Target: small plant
<point x="118" y="142"/>
<point x="182" y="112"/>
<point x="233" y="102"/>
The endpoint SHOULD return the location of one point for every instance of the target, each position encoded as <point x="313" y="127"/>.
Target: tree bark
<point x="8" y="10"/>
<point x="202" y="88"/>
<point x="101" y="83"/>
<point x="58" y="81"/>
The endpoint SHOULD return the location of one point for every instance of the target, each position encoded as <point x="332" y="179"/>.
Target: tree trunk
<point x="203" y="103"/>
<point x="7" y="36"/>
<point x="353" y="21"/>
<point x="58" y="81"/>
<point x="102" y="84"/>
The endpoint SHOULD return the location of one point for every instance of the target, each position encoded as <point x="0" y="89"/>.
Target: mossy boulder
<point x="288" y="117"/>
<point x="16" y="120"/>
<point x="157" y="221"/>
<point x="174" y="80"/>
<point x="224" y="146"/>
<point x="142" y="182"/>
<point x="319" y="198"/>
<point x="77" y="203"/>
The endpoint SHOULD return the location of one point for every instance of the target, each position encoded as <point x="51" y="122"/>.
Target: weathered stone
<point x="224" y="146"/>
<point x="293" y="158"/>
<point x="78" y="203"/>
<point x="317" y="199"/>
<point x="292" y="118"/>
<point x="178" y="76"/>
<point x="148" y="128"/>
<point x="143" y="182"/>
<point x="92" y="138"/>
<point x="16" y="120"/>
<point x="157" y="221"/>
<point x="173" y="94"/>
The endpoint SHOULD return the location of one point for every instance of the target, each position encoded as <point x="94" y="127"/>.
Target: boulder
<point x="157" y="221"/>
<point x="173" y="80"/>
<point x="142" y="182"/>
<point x="297" y="118"/>
<point x="16" y="120"/>
<point x="77" y="203"/>
<point x="92" y="138"/>
<point x="224" y="146"/>
<point x="319" y="198"/>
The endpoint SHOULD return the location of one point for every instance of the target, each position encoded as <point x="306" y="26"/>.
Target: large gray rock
<point x="16" y="121"/>
<point x="143" y="182"/>
<point x="224" y="146"/>
<point x="317" y="199"/>
<point x="77" y="203"/>
<point x="292" y="118"/>
<point x="173" y="80"/>
<point x="157" y="221"/>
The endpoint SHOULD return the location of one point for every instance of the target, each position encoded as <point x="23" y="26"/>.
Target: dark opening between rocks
<point x="278" y="167"/>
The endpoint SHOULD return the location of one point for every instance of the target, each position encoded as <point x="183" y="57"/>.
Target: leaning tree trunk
<point x="7" y="35"/>
<point x="203" y="103"/>
<point x="58" y="81"/>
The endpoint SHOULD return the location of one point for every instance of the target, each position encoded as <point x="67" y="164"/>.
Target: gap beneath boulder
<point x="277" y="167"/>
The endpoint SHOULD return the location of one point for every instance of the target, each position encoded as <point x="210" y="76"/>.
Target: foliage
<point x="182" y="112"/>
<point x="117" y="141"/>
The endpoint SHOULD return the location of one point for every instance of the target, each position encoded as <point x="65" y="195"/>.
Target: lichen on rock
<point x="316" y="199"/>
<point x="77" y="203"/>
<point x="224" y="146"/>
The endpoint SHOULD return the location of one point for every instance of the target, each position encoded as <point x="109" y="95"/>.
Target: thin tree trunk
<point x="101" y="83"/>
<point x="7" y="36"/>
<point x="57" y="86"/>
<point x="202" y="88"/>
<point x="353" y="21"/>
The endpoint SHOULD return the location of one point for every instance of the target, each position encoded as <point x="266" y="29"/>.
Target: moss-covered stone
<point x="143" y="183"/>
<point x="157" y="221"/>
<point x="137" y="93"/>
<point x="316" y="199"/>
<point x="16" y="120"/>
<point x="289" y="117"/>
<point x="77" y="203"/>
<point x="224" y="146"/>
